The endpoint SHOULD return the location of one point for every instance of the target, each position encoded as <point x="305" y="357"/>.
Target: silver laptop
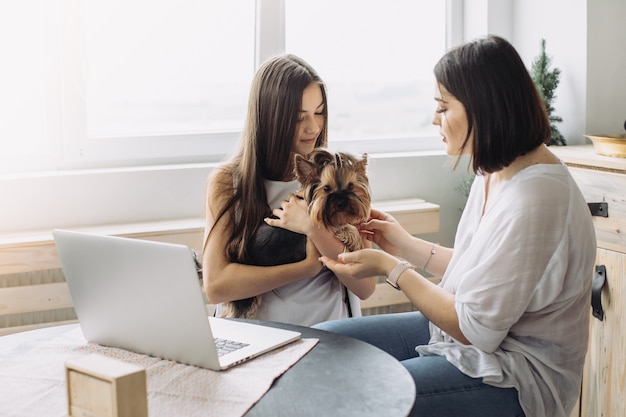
<point x="146" y="297"/>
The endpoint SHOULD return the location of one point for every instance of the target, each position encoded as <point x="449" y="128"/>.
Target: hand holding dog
<point x="363" y="263"/>
<point x="292" y="215"/>
<point x="385" y="231"/>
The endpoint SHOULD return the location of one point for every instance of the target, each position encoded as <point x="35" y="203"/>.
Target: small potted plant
<point x="547" y="81"/>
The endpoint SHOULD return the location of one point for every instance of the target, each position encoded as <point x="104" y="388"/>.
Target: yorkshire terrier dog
<point x="336" y="189"/>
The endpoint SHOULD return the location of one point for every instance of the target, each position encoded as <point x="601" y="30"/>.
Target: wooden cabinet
<point x="603" y="180"/>
<point x="605" y="367"/>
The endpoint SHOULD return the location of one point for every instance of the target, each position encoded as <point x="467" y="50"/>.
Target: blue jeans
<point x="441" y="389"/>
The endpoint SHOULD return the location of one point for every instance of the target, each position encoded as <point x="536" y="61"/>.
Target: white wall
<point x="428" y="177"/>
<point x="566" y="43"/>
<point x="113" y="196"/>
<point x="586" y="40"/>
<point x="524" y="23"/>
<point x="606" y="66"/>
<point x="484" y="17"/>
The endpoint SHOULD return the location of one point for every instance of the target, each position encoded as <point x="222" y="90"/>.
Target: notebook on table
<point x="145" y="297"/>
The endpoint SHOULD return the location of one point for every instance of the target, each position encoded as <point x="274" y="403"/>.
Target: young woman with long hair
<point x="287" y="115"/>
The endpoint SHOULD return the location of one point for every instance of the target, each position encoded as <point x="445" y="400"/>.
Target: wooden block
<point x="98" y="386"/>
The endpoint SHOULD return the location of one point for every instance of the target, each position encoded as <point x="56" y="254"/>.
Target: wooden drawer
<point x="601" y="179"/>
<point x="610" y="188"/>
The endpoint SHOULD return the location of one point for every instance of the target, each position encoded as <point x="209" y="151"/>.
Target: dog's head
<point x="336" y="187"/>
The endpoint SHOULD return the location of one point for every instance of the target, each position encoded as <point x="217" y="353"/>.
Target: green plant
<point x="546" y="82"/>
<point x="464" y="187"/>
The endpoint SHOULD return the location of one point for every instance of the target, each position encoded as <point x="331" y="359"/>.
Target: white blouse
<point x="521" y="273"/>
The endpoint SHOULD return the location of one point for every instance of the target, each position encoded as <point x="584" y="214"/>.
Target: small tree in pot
<point x="547" y="81"/>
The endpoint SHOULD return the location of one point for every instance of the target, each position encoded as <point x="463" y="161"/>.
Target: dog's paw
<point x="350" y="236"/>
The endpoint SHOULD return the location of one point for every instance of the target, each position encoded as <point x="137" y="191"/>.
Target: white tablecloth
<point x="32" y="378"/>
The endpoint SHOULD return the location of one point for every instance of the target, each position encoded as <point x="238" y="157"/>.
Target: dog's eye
<point x="327" y="189"/>
<point x="350" y="186"/>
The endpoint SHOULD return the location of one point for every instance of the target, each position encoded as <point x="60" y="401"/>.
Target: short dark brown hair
<point x="505" y="113"/>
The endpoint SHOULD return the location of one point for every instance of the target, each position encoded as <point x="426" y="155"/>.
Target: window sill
<point x="35" y="202"/>
<point x="35" y="251"/>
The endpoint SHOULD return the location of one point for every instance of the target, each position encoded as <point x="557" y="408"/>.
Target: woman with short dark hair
<point x="505" y="331"/>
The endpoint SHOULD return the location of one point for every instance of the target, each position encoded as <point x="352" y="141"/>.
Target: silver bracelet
<point x="432" y="252"/>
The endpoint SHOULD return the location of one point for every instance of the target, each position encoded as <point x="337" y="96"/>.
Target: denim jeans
<point x="441" y="389"/>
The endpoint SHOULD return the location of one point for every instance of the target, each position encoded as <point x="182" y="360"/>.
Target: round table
<point x="340" y="376"/>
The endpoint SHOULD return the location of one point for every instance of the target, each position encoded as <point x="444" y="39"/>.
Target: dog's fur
<point x="276" y="246"/>
<point x="336" y="190"/>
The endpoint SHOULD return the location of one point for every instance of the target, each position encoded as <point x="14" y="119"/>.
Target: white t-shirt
<point x="308" y="301"/>
<point x="522" y="278"/>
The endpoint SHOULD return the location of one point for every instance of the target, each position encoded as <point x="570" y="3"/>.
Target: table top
<point x="340" y="376"/>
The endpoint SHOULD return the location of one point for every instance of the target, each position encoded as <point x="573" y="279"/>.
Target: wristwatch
<point x="395" y="273"/>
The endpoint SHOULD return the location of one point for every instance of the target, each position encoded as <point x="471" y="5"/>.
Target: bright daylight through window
<point x="117" y="83"/>
<point x="376" y="58"/>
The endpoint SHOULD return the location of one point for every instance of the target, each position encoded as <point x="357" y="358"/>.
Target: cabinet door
<point x="608" y="187"/>
<point x="604" y="378"/>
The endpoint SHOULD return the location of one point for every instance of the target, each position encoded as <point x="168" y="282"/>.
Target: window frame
<point x="270" y="40"/>
<point x="78" y="151"/>
<point x="68" y="147"/>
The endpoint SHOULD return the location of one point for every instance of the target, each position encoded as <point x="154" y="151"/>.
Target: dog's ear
<point x="361" y="165"/>
<point x="306" y="170"/>
<point x="321" y="157"/>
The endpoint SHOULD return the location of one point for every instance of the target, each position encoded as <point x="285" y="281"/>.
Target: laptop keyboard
<point x="226" y="346"/>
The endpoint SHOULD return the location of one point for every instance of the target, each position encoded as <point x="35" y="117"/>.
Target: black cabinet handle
<point x="599" y="209"/>
<point x="599" y="279"/>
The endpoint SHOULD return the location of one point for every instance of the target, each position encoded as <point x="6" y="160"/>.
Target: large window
<point x="118" y="83"/>
<point x="377" y="59"/>
<point x="25" y="81"/>
<point x="184" y="69"/>
<point x="161" y="82"/>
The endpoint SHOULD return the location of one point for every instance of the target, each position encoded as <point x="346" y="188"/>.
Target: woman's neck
<point x="539" y="155"/>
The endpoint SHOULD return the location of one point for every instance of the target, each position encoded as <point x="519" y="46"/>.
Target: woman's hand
<point x="363" y="263"/>
<point x="384" y="230"/>
<point x="292" y="215"/>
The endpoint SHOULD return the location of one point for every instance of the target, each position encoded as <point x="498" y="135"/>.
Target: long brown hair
<point x="265" y="146"/>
